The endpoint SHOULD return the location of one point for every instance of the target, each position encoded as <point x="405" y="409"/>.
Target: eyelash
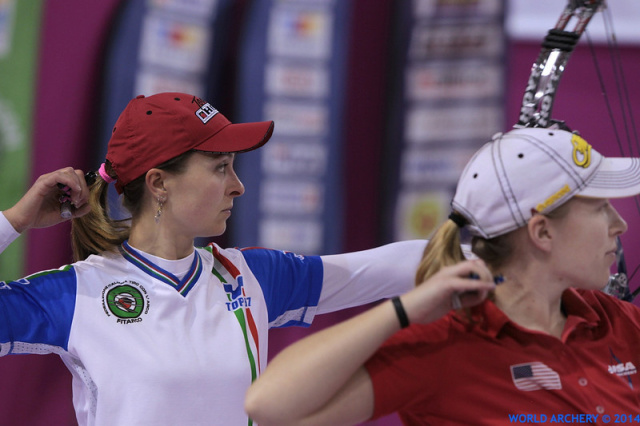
<point x="222" y="167"/>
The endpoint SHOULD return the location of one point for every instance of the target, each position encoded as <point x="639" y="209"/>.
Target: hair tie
<point x="458" y="219"/>
<point x="104" y="175"/>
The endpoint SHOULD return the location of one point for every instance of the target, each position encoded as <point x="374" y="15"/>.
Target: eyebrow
<point x="216" y="154"/>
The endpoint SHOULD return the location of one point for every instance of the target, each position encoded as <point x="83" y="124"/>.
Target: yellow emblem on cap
<point x="555" y="197"/>
<point x="581" y="151"/>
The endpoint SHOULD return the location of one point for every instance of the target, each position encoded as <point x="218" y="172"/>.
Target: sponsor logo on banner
<point x="291" y="197"/>
<point x="150" y="82"/>
<point x="419" y="213"/>
<point x="300" y="236"/>
<point x="289" y="80"/>
<point x="454" y="80"/>
<point x="295" y="158"/>
<point x="7" y="16"/>
<point x="455" y="41"/>
<point x="200" y="8"/>
<point x="174" y="44"/>
<point x="453" y="8"/>
<point x="453" y="123"/>
<point x="299" y="32"/>
<point x="421" y="167"/>
<point x="453" y="101"/>
<point x="298" y="118"/>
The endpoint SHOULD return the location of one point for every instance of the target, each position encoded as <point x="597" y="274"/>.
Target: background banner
<point x="19" y="42"/>
<point x="292" y="71"/>
<point x="448" y="99"/>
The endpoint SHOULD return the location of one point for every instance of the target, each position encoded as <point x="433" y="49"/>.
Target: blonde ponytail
<point x="442" y="250"/>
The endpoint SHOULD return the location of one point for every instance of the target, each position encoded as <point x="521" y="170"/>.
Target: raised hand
<point x="467" y="283"/>
<point x="40" y="206"/>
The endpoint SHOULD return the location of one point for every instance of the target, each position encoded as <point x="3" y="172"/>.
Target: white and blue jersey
<point x="179" y="342"/>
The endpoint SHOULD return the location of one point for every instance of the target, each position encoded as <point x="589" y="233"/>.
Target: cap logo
<point x="206" y="112"/>
<point x="555" y="197"/>
<point x="581" y="151"/>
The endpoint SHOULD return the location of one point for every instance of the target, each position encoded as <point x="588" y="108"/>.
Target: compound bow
<point x="539" y="96"/>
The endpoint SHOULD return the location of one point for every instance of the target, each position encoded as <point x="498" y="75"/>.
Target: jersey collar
<point x="579" y="314"/>
<point x="182" y="286"/>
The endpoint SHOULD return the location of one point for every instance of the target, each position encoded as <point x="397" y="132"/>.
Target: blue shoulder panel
<point x="38" y="308"/>
<point x="289" y="281"/>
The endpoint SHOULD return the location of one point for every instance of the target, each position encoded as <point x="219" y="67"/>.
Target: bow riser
<point x="538" y="99"/>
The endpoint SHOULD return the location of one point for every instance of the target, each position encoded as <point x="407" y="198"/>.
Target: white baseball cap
<point x="533" y="170"/>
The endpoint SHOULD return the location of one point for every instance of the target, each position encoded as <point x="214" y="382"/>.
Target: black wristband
<point x="400" y="312"/>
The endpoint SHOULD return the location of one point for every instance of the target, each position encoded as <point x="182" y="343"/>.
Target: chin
<point x="218" y="231"/>
<point x="211" y="233"/>
<point x="600" y="284"/>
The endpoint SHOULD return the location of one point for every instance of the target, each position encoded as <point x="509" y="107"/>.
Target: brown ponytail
<point x="96" y="232"/>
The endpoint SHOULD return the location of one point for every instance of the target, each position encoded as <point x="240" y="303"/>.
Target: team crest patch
<point x="127" y="301"/>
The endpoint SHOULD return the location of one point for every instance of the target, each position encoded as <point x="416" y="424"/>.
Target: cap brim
<point x="615" y="178"/>
<point x="239" y="137"/>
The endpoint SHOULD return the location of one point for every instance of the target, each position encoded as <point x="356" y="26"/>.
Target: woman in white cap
<point x="546" y="346"/>
<point x="154" y="330"/>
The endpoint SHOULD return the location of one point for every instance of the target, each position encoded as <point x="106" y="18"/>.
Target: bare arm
<point x="321" y="379"/>
<point x="40" y="206"/>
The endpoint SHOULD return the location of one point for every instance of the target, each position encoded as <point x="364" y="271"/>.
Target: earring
<point x="161" y="201"/>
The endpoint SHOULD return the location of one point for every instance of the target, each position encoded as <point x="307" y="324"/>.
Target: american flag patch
<point x="534" y="376"/>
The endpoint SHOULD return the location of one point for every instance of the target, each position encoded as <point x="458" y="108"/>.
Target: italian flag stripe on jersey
<point x="240" y="313"/>
<point x="250" y="322"/>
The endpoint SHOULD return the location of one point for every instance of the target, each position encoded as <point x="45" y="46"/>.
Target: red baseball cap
<point x="155" y="129"/>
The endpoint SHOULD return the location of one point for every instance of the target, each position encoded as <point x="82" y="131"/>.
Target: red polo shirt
<point x="492" y="371"/>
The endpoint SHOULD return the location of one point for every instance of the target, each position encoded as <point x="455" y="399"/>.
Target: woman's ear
<point x="540" y="232"/>
<point x="154" y="180"/>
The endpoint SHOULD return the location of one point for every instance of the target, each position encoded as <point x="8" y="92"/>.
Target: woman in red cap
<point x="547" y="346"/>
<point x="153" y="329"/>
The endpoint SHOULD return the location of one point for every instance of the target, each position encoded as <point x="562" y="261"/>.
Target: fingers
<point x="471" y="283"/>
<point x="71" y="182"/>
<point x="69" y="186"/>
<point x="474" y="269"/>
<point x="450" y="288"/>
